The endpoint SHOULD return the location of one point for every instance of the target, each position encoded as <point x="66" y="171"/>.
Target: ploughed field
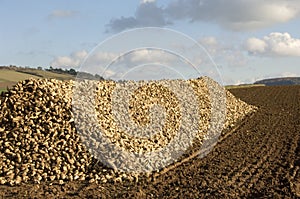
<point x="259" y="158"/>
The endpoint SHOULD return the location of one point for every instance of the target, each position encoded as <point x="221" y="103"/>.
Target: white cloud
<point x="148" y="1"/>
<point x="211" y="44"/>
<point x="148" y="56"/>
<point x="275" y="44"/>
<point x="211" y="41"/>
<point x="222" y="52"/>
<point x="93" y="64"/>
<point x="255" y="45"/>
<point x="72" y="61"/>
<point x="99" y="58"/>
<point x="62" y="14"/>
<point x="289" y="74"/>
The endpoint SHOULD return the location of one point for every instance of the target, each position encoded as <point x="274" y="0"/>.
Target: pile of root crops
<point x="44" y="138"/>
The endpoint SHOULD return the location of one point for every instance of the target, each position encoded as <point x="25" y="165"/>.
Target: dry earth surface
<point x="260" y="158"/>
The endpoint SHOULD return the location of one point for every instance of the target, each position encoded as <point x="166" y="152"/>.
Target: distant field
<point x="243" y="86"/>
<point x="9" y="77"/>
<point x="14" y="76"/>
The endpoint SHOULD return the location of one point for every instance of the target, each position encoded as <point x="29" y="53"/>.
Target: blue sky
<point x="248" y="39"/>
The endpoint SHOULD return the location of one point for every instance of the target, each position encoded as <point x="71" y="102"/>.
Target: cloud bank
<point x="147" y="14"/>
<point x="75" y="59"/>
<point x="237" y="15"/>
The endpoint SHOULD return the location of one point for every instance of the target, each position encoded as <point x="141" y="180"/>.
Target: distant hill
<point x="10" y="75"/>
<point x="280" y="81"/>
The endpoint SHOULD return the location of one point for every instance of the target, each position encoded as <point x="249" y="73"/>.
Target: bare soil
<point x="260" y="159"/>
